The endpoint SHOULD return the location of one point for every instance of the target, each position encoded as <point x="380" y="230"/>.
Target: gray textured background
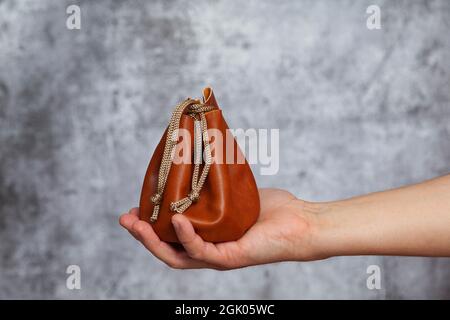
<point x="81" y="112"/>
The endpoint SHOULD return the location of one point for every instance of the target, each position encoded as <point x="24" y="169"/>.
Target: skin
<point x="412" y="221"/>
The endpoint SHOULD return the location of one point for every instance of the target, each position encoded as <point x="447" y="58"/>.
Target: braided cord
<point x="200" y="133"/>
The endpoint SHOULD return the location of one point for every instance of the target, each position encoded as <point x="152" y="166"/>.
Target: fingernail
<point x="176" y="225"/>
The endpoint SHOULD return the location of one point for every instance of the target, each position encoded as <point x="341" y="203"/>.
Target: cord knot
<point x="156" y="198"/>
<point x="194" y="196"/>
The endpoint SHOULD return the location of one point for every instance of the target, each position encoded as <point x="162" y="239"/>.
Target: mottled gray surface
<point x="81" y="112"/>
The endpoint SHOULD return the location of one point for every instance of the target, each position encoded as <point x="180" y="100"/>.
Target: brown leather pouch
<point x="199" y="172"/>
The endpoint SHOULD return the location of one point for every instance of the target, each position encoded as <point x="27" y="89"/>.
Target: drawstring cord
<point x="197" y="111"/>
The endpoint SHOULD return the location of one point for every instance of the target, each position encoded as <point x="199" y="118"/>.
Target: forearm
<point x="413" y="220"/>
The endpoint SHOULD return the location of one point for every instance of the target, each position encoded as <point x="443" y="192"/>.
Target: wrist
<point x="310" y="231"/>
<point x="341" y="230"/>
<point x="321" y="229"/>
<point x="334" y="230"/>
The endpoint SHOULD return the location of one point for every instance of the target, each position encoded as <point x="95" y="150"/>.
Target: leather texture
<point x="229" y="200"/>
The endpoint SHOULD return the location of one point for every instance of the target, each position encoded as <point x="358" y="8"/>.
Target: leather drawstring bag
<point x="198" y="170"/>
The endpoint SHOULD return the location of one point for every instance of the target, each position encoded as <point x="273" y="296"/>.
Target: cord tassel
<point x="155" y="214"/>
<point x="181" y="205"/>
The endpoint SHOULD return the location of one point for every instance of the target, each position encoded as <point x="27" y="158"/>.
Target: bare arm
<point x="413" y="220"/>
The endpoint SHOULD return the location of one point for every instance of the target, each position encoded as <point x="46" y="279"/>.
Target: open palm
<point x="282" y="232"/>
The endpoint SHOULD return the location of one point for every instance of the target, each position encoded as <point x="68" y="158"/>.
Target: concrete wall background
<point x="81" y="111"/>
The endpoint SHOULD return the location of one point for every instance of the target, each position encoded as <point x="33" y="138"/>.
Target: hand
<point x="284" y="231"/>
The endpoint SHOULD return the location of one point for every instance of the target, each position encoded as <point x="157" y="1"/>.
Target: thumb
<point x="183" y="228"/>
<point x="195" y="247"/>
